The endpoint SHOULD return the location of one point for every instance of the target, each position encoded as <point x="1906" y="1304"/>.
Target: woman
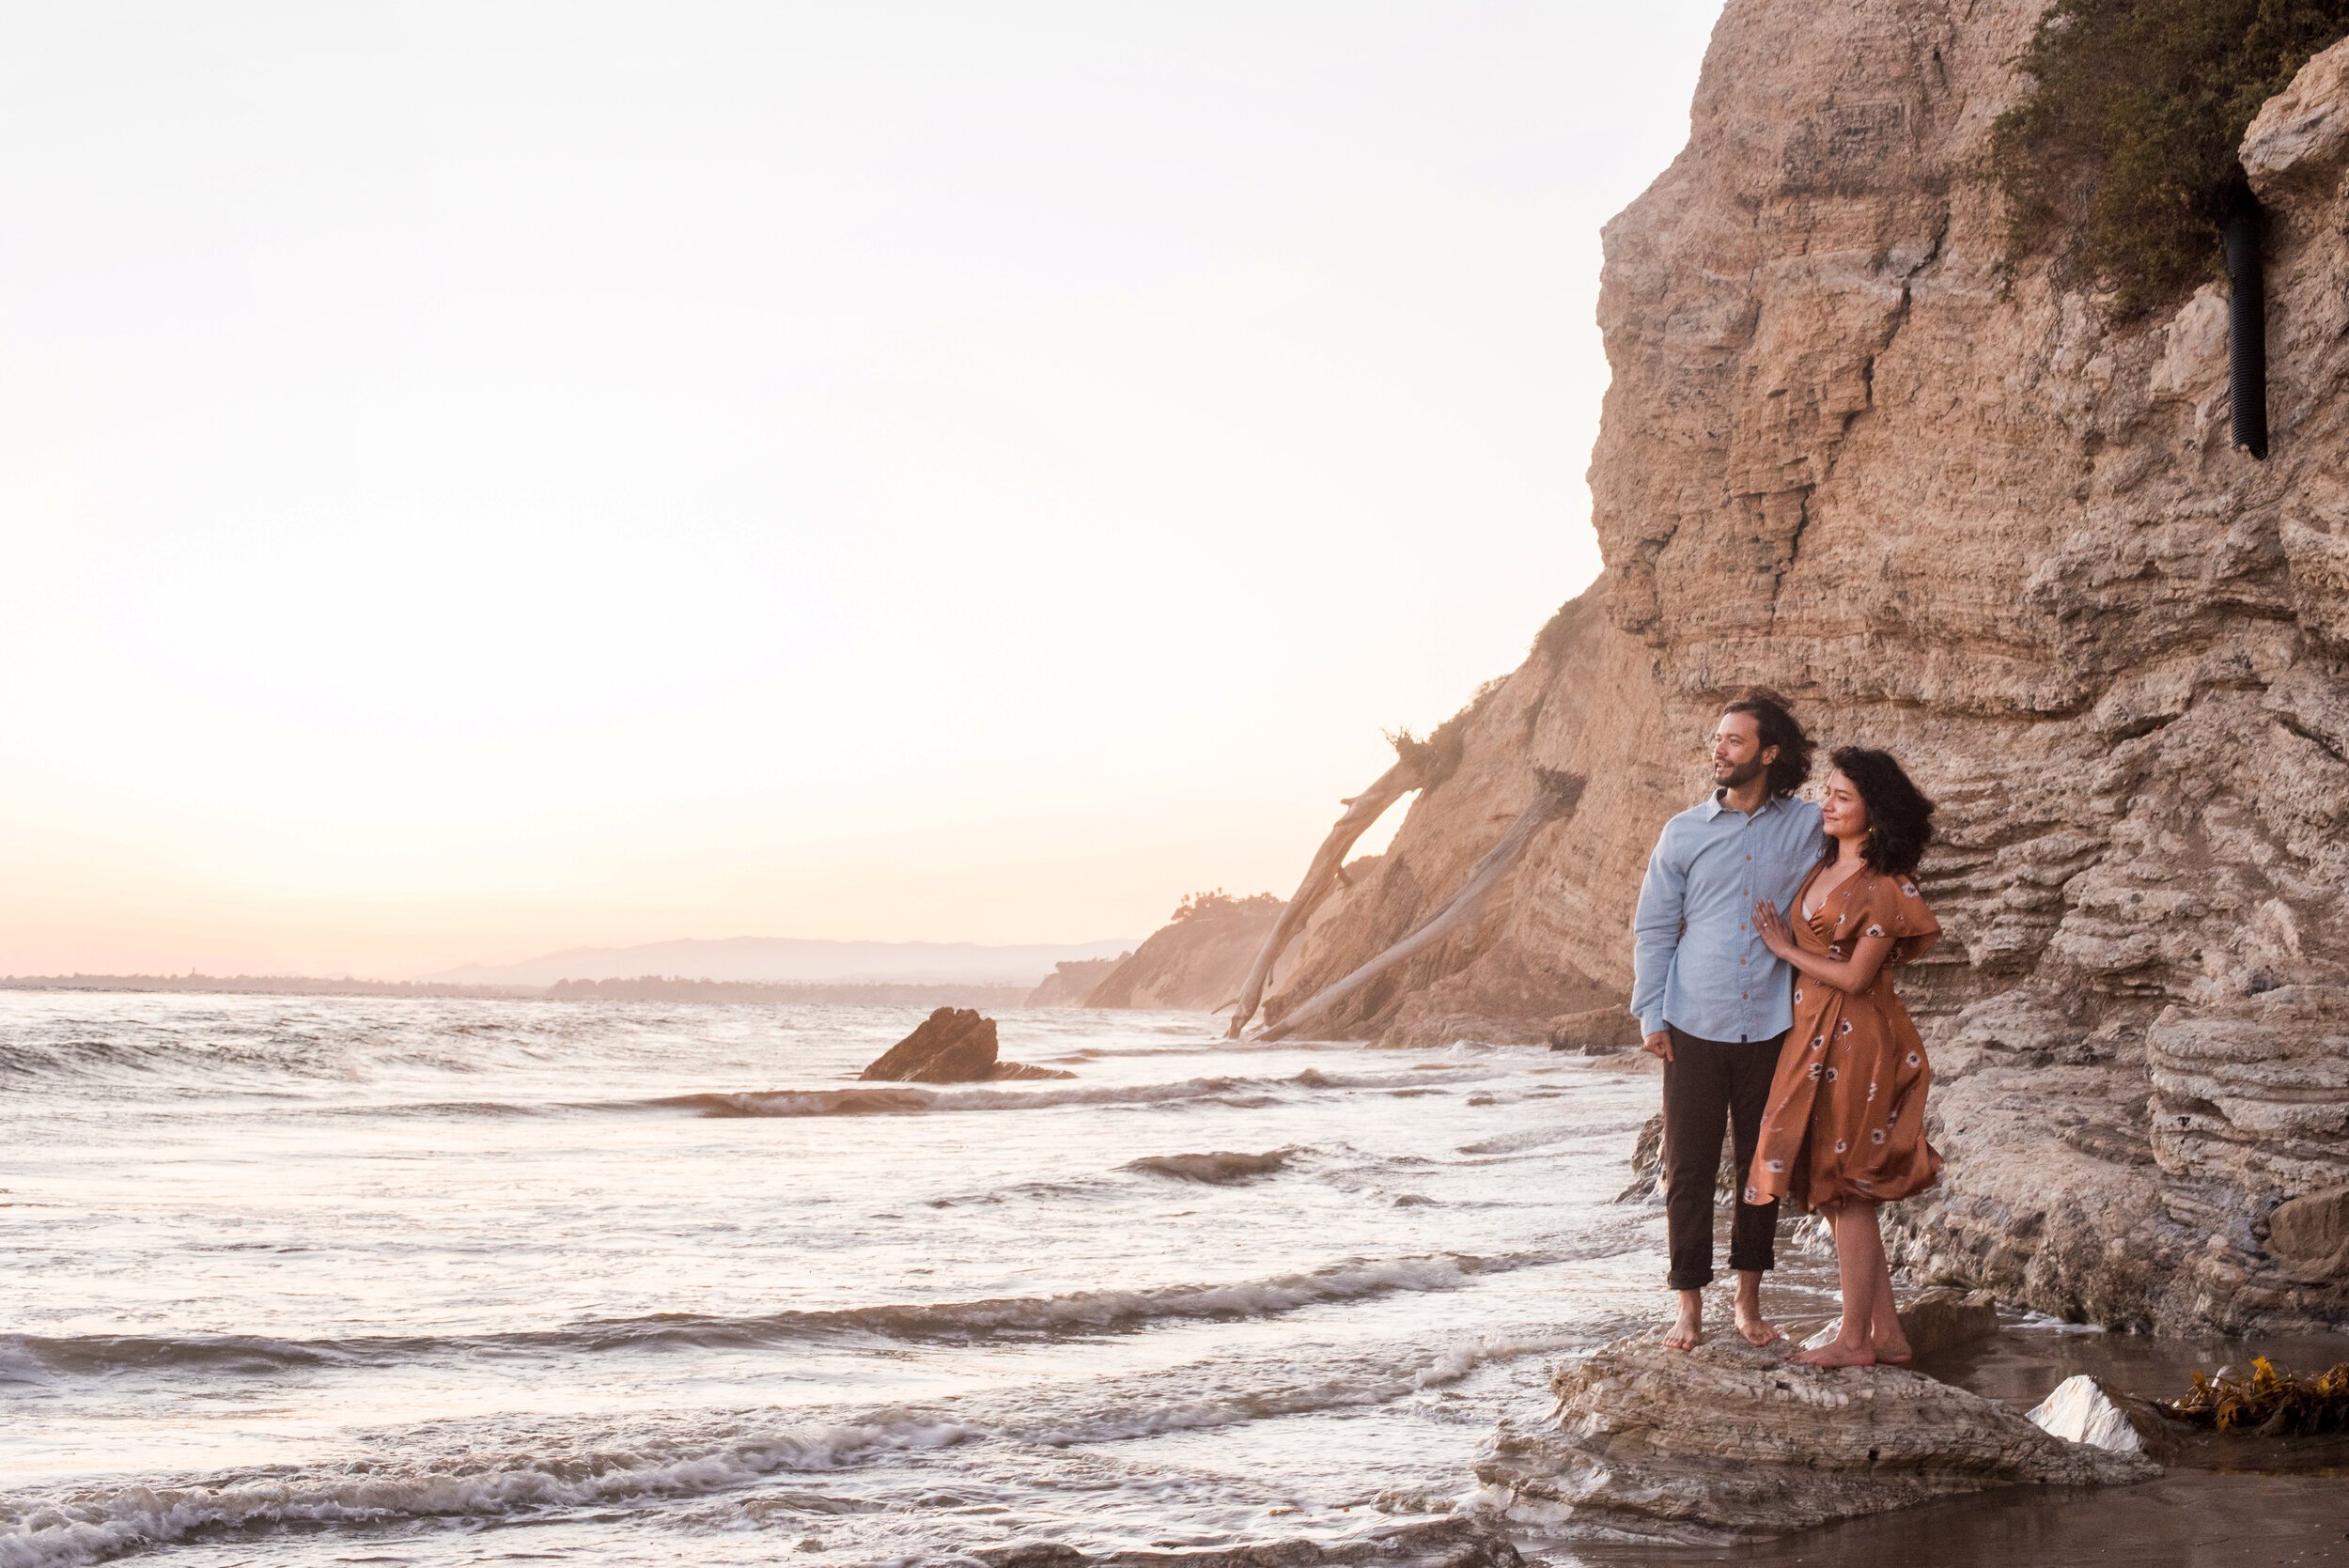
<point x="1845" y="1126"/>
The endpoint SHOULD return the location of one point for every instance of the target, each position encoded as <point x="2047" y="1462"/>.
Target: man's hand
<point x="1658" y="1045"/>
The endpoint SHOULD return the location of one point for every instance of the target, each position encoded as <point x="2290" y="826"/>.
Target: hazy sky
<point x="478" y="478"/>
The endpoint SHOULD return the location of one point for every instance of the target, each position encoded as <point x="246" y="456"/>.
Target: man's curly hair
<point x="1791" y="768"/>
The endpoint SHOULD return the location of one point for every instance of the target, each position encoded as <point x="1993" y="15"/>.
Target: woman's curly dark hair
<point x="1791" y="768"/>
<point x="1900" y="819"/>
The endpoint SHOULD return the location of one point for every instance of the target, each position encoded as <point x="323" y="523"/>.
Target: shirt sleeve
<point x="1655" y="931"/>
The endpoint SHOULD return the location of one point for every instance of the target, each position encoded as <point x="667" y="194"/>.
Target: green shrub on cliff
<point x="2121" y="158"/>
<point x="1219" y="905"/>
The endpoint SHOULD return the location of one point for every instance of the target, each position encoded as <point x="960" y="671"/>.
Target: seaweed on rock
<point x="2271" y="1402"/>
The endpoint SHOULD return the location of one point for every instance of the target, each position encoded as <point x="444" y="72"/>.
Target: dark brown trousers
<point x="1706" y="1083"/>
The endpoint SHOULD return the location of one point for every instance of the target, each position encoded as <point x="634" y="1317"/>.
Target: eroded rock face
<point x="954" y="1045"/>
<point x="1971" y="521"/>
<point x="1728" y="1441"/>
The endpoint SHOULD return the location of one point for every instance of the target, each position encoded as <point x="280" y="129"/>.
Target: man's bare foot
<point x="1756" y="1329"/>
<point x="1688" y="1331"/>
<point x="1751" y="1326"/>
<point x="1835" y="1353"/>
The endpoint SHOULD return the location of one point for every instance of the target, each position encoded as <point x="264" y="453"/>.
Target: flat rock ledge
<point x="1728" y="1441"/>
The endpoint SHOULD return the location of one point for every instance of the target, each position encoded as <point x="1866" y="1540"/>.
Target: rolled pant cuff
<point x="1687" y="1282"/>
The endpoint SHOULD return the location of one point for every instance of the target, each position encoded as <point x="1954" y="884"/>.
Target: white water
<point x="440" y="1282"/>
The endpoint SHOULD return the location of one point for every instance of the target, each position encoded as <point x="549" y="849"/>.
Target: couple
<point x="1819" y="1072"/>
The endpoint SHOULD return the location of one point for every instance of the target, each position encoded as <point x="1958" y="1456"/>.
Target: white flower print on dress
<point x="1842" y="1146"/>
<point x="1775" y="1167"/>
<point x="1817" y="1040"/>
<point x="1844" y="1027"/>
<point x="1876" y="1135"/>
<point x="1814" y="1072"/>
<point x="1871" y="1090"/>
<point x="1876" y="930"/>
<point x="1914" y="1058"/>
<point x="1830" y="1075"/>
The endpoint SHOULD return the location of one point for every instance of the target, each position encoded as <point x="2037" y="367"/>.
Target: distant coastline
<point x="648" y="988"/>
<point x="792" y="960"/>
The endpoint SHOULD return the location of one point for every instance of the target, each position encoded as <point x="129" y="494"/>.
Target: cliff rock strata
<point x="1962" y="516"/>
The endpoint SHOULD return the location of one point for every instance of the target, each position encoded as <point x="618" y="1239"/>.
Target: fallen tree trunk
<point x="1557" y="796"/>
<point x="1407" y="774"/>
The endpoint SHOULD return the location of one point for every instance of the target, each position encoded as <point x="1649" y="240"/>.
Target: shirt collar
<point x="1713" y="806"/>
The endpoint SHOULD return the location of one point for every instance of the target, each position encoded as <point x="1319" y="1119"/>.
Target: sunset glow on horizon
<point x="484" y="480"/>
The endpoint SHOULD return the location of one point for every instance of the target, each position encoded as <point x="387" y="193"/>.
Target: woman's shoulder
<point x="1894" y="905"/>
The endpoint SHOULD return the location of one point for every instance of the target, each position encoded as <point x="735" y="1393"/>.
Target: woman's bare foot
<point x="1896" y="1354"/>
<point x="1837" y="1354"/>
<point x="1688" y="1330"/>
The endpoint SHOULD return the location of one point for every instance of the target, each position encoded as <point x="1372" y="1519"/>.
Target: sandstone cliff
<point x="1196" y="961"/>
<point x="1960" y="514"/>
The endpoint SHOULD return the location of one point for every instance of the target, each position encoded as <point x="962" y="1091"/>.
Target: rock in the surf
<point x="1647" y="1168"/>
<point x="1594" y="1031"/>
<point x="1729" y="1440"/>
<point x="1942" y="1320"/>
<point x="954" y="1045"/>
<point x="2085" y="1409"/>
<point x="1935" y="1322"/>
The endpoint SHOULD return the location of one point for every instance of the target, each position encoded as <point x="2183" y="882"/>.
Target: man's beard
<point x="1739" y="776"/>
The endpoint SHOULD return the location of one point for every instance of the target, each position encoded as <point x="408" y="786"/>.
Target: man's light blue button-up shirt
<point x="1697" y="961"/>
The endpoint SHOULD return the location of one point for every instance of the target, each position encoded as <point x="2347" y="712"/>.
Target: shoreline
<point x="2224" y="1501"/>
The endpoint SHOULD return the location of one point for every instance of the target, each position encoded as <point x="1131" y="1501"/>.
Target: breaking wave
<point x="1219" y="1169"/>
<point x="903" y="1100"/>
<point x="96" y="1525"/>
<point x="32" y="1358"/>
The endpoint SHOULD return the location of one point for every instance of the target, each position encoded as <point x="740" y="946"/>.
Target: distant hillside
<point x="1071" y="981"/>
<point x="883" y="993"/>
<point x="1197" y="960"/>
<point x="778" y="959"/>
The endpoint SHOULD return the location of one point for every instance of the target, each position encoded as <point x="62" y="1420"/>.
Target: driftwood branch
<point x="1328" y="869"/>
<point x="1557" y="796"/>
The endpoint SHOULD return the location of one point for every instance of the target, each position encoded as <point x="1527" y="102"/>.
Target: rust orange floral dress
<point x="1846" y="1115"/>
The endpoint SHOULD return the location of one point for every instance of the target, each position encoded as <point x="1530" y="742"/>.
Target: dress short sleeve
<point x="1894" y="906"/>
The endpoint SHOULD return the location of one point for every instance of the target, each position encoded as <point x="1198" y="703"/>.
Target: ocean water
<point x="388" y="1280"/>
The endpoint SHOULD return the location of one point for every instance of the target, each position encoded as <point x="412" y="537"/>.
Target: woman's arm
<point x="1850" y="975"/>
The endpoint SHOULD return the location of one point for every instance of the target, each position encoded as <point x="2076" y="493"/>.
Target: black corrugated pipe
<point x="2247" y="321"/>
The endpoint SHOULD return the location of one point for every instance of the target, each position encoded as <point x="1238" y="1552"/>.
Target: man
<point x="1712" y="1000"/>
